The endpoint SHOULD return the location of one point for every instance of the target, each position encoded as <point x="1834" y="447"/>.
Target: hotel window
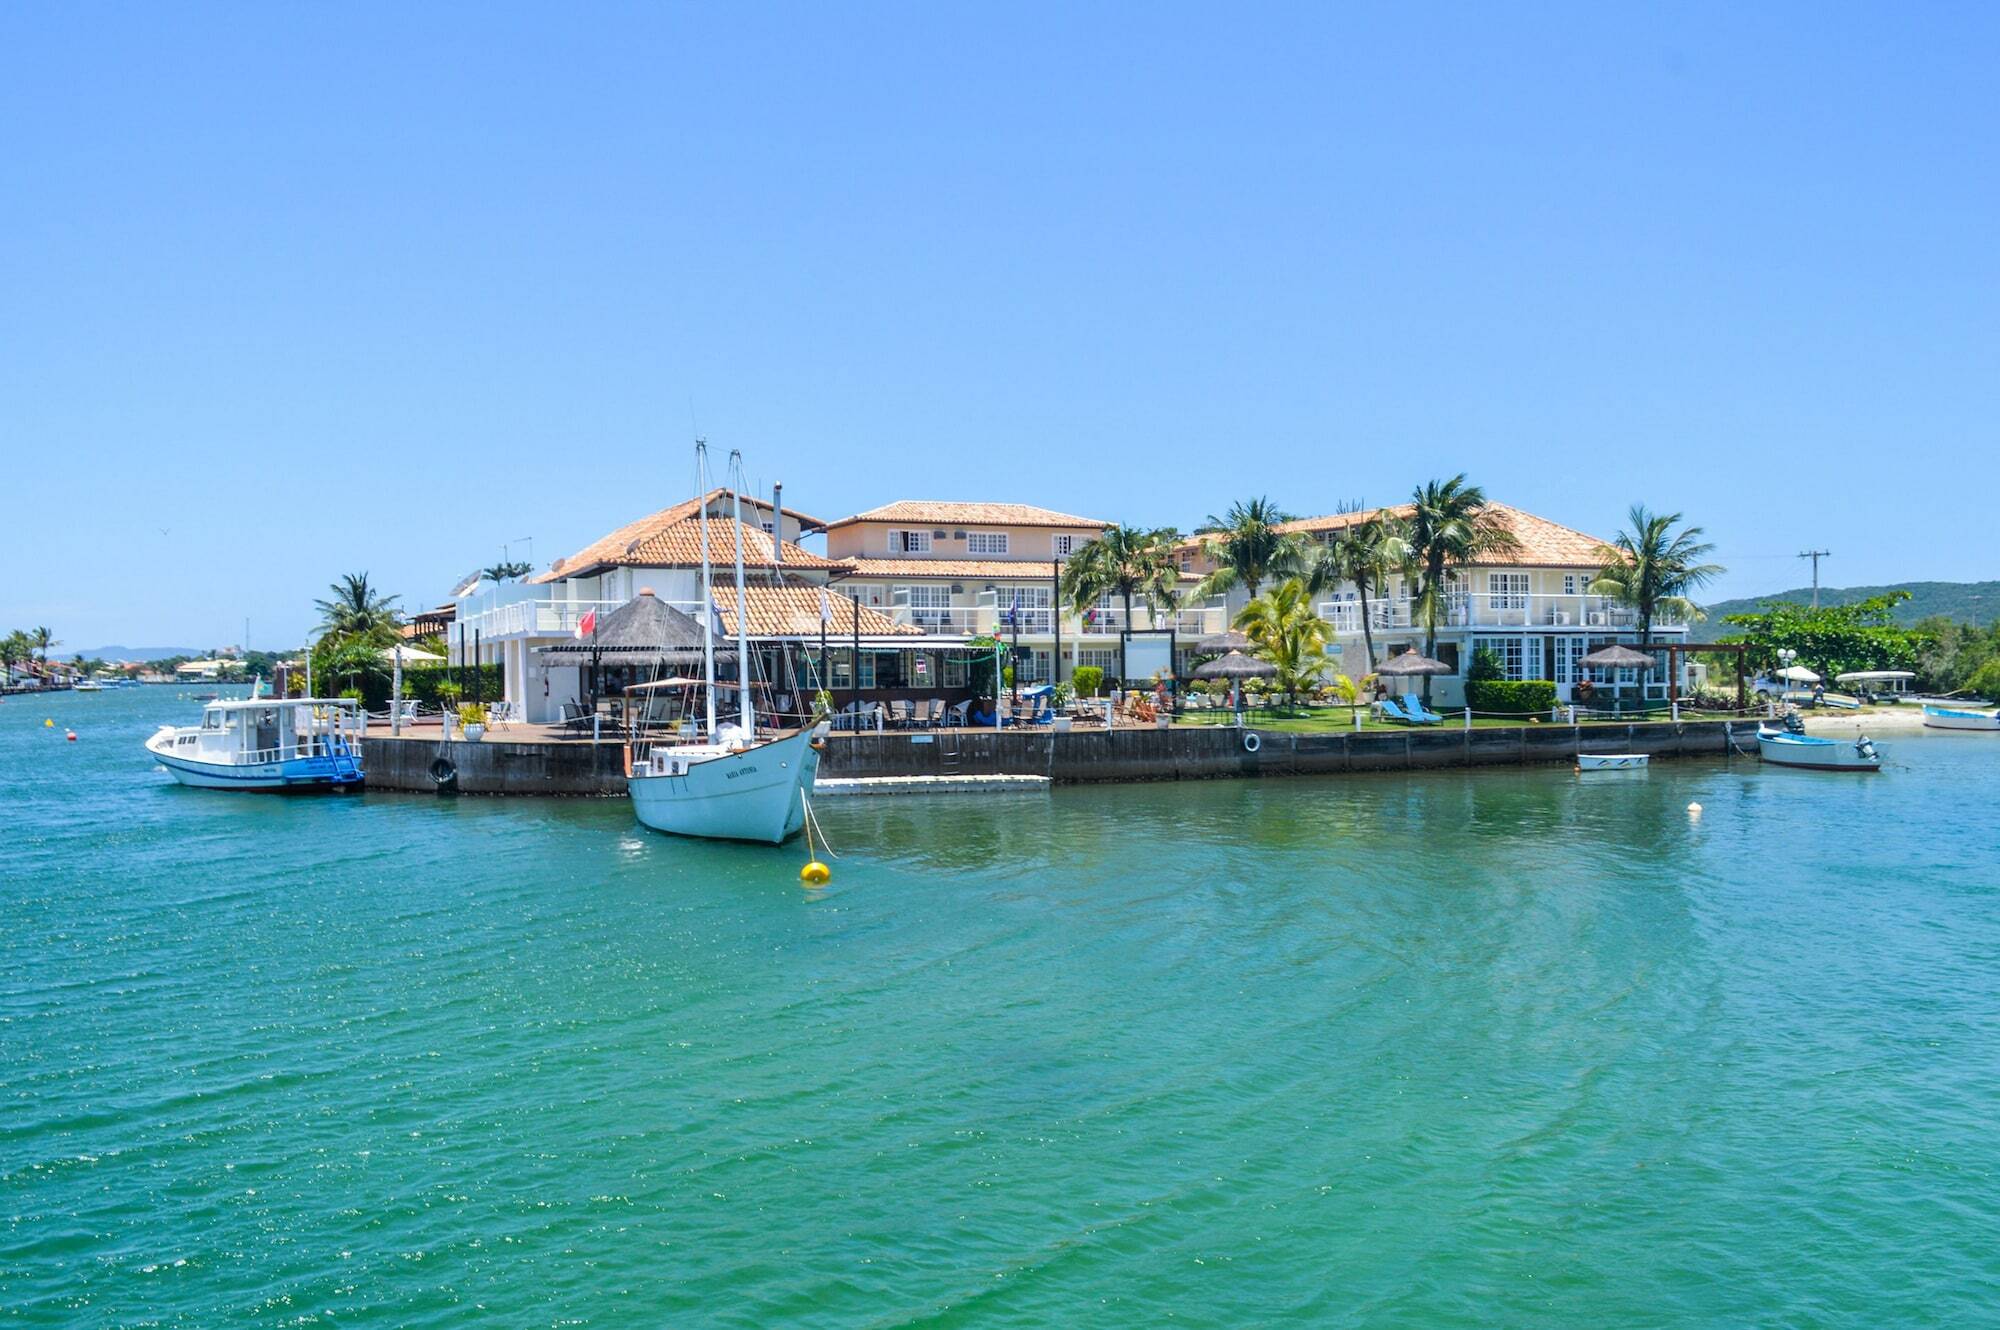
<point x="986" y="542"/>
<point x="957" y="672"/>
<point x="1062" y="546"/>
<point x="868" y="669"/>
<point x="1569" y="584"/>
<point x="909" y="542"/>
<point x="1509" y="651"/>
<point x="1104" y="658"/>
<point x="930" y="606"/>
<point x="840" y="669"/>
<point x="1030" y="666"/>
<point x="1506" y="591"/>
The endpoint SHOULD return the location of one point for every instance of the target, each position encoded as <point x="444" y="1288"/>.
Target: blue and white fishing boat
<point x="1952" y="718"/>
<point x="1789" y="748"/>
<point x="299" y="743"/>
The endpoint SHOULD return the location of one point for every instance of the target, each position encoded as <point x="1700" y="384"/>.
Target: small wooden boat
<point x="1948" y="718"/>
<point x="1789" y="749"/>
<point x="1611" y="761"/>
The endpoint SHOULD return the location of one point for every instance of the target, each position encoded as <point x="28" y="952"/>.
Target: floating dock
<point x="852" y="786"/>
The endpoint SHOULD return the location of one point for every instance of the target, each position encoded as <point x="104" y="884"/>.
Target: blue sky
<point x="290" y="291"/>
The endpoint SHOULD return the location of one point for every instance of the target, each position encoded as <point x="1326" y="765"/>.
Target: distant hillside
<point x="126" y="653"/>
<point x="1968" y="602"/>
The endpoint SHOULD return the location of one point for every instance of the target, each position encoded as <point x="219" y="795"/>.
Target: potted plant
<point x="473" y="717"/>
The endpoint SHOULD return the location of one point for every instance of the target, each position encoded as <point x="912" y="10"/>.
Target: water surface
<point x="1453" y="1049"/>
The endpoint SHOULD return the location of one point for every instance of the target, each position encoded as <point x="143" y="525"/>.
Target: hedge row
<point x="1513" y="697"/>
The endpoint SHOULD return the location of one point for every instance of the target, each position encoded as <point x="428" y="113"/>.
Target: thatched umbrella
<point x="1236" y="667"/>
<point x="1409" y="665"/>
<point x="1617" y="657"/>
<point x="1216" y="644"/>
<point x="644" y="631"/>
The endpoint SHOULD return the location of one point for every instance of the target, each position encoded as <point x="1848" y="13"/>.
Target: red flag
<point x="587" y="624"/>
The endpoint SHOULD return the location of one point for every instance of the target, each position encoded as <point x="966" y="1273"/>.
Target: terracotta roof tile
<point x="951" y="512"/>
<point x="793" y="611"/>
<point x="1543" y="544"/>
<point x="1013" y="569"/>
<point x="671" y="538"/>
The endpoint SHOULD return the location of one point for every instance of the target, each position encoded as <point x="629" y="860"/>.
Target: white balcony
<point x="528" y="617"/>
<point x="1480" y="610"/>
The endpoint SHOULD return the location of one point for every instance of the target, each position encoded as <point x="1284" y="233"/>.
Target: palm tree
<point x="1652" y="567"/>
<point x="506" y="570"/>
<point x="1450" y="524"/>
<point x="1367" y="554"/>
<point x="1125" y="560"/>
<point x="1246" y="547"/>
<point x="42" y="639"/>
<point x="1289" y="634"/>
<point x="14" y="649"/>
<point x="357" y="609"/>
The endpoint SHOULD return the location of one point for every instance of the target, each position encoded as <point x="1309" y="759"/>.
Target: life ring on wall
<point x="1252" y="741"/>
<point x="444" y="773"/>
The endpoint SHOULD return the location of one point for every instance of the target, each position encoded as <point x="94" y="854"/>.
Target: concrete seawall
<point x="1184" y="753"/>
<point x="1189" y="753"/>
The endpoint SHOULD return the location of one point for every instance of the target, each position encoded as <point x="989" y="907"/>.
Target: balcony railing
<point x="534" y="618"/>
<point x="1480" y="610"/>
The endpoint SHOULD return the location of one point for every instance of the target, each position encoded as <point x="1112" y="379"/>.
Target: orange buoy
<point x="71" y="735"/>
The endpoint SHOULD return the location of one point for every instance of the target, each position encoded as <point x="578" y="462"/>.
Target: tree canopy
<point x="1834" y="639"/>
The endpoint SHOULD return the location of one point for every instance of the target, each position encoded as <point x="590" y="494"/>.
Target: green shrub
<point x="1486" y="667"/>
<point x="1088" y="679"/>
<point x="1511" y="697"/>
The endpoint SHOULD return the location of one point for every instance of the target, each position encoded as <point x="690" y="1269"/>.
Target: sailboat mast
<point x="707" y="590"/>
<point x="749" y="708"/>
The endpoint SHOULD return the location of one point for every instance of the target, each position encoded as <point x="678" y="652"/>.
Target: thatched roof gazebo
<point x="1410" y="664"/>
<point x="643" y="633"/>
<point x="1236" y="667"/>
<point x="1217" y="644"/>
<point x="1616" y="657"/>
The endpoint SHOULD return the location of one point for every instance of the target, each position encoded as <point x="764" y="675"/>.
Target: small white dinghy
<point x="1948" y="718"/>
<point x="1787" y="748"/>
<point x="1611" y="761"/>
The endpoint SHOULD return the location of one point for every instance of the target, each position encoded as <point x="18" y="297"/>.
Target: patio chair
<point x="1387" y="708"/>
<point x="900" y="715"/>
<point x="958" y="713"/>
<point x="1413" y="707"/>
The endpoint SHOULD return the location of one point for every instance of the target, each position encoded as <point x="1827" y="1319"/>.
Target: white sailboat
<point x="733" y="785"/>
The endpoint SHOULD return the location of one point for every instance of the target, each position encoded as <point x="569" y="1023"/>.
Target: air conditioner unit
<point x="1596" y="619"/>
<point x="956" y="535"/>
<point x="1560" y="618"/>
<point x="939" y="535"/>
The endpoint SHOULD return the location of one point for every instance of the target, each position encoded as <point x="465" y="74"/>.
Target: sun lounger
<point x="1413" y="707"/>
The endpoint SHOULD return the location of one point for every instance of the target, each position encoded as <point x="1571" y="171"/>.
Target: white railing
<point x="957" y="619"/>
<point x="531" y="618"/>
<point x="1481" y="610"/>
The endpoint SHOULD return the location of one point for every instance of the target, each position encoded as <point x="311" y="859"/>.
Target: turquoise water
<point x="1494" y="1049"/>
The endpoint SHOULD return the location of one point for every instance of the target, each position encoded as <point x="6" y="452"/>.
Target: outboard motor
<point x="1865" y="746"/>
<point x="1794" y="723"/>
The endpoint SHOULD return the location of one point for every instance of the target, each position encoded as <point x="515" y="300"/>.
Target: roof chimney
<point x="777" y="523"/>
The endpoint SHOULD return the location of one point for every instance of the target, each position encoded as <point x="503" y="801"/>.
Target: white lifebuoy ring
<point x="1252" y="741"/>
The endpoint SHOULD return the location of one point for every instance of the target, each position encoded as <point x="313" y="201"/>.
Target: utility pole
<point x="1815" y="556"/>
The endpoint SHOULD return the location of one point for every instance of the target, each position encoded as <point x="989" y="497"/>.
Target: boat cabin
<point x="252" y="731"/>
<point x="1877" y="685"/>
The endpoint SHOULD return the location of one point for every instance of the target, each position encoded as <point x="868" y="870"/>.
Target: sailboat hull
<point x="755" y="794"/>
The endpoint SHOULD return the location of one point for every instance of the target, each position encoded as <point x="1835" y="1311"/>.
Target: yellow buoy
<point x="49" y="724"/>
<point x="815" y="874"/>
